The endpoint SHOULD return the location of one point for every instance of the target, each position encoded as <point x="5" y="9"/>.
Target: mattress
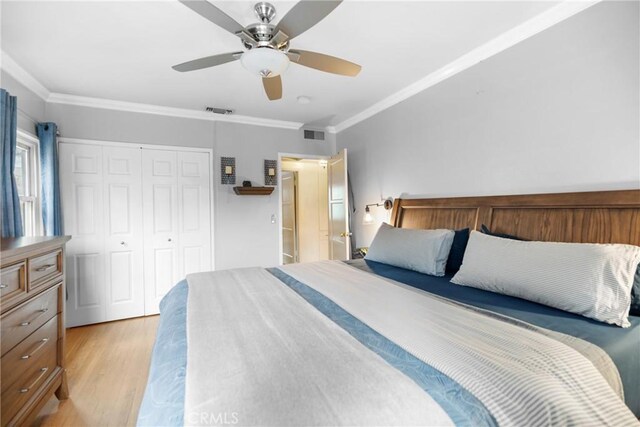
<point x="163" y="403"/>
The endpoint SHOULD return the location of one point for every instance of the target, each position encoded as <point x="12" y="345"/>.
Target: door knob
<point x="345" y="234"/>
<point x="169" y="239"/>
<point x="123" y="243"/>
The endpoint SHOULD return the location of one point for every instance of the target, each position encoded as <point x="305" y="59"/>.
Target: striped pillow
<point x="592" y="280"/>
<point x="425" y="251"/>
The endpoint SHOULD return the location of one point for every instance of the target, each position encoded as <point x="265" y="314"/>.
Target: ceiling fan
<point x="267" y="51"/>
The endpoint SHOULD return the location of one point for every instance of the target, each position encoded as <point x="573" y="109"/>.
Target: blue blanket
<point x="163" y="402"/>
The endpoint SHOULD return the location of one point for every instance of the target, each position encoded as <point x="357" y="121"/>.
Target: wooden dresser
<point x="32" y="297"/>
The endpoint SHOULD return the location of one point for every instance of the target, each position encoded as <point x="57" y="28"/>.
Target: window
<point x="27" y="173"/>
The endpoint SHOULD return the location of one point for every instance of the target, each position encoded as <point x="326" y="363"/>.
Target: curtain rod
<point x="26" y="115"/>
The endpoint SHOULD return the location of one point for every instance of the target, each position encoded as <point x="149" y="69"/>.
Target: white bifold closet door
<point x="102" y="204"/>
<point x="177" y="226"/>
<point x="140" y="221"/>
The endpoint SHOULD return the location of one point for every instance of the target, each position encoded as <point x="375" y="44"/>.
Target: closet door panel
<point x="123" y="232"/>
<point x="161" y="229"/>
<point x="81" y="183"/>
<point x="195" y="212"/>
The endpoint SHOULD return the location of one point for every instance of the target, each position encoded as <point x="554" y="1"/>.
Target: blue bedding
<point x="163" y="402"/>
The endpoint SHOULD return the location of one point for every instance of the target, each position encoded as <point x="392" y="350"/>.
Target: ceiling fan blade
<point x="272" y="87"/>
<point x="304" y="15"/>
<point x="213" y="14"/>
<point x="207" y="61"/>
<point x="322" y="62"/>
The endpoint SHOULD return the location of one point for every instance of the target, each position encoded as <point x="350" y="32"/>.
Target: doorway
<point x="305" y="210"/>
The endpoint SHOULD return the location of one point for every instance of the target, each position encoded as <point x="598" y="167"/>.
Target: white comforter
<point x="259" y="354"/>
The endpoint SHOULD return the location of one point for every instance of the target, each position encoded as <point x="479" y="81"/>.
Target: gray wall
<point x="123" y="126"/>
<point x="558" y="112"/>
<point x="31" y="108"/>
<point x="244" y="233"/>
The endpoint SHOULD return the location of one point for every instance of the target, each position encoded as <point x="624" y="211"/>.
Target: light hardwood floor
<point x="107" y="367"/>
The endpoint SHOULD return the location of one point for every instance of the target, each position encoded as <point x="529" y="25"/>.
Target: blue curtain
<point x="11" y="218"/>
<point x="51" y="212"/>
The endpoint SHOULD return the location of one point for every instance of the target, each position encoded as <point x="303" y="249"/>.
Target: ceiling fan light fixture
<point x="265" y="61"/>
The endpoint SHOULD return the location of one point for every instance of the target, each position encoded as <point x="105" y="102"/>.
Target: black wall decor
<point x="270" y="172"/>
<point x="228" y="170"/>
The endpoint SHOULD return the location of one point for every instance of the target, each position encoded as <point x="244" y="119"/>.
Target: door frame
<point x="279" y="221"/>
<point x="209" y="151"/>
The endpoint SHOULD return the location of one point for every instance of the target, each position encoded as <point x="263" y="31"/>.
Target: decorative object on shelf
<point x="228" y="170"/>
<point x="246" y="184"/>
<point x="368" y="217"/>
<point x="253" y="191"/>
<point x="270" y="172"/>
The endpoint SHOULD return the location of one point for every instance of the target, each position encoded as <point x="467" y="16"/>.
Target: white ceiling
<point x="124" y="50"/>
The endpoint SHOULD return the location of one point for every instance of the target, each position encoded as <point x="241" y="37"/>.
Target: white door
<point x="339" y="234"/>
<point x="161" y="232"/>
<point x="323" y="211"/>
<point x="194" y="201"/>
<point x="123" y="246"/>
<point x="81" y="183"/>
<point x="288" y="218"/>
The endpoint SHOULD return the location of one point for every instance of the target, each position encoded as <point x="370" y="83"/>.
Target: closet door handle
<point x="2" y="286"/>
<point x="123" y="243"/>
<point x="169" y="239"/>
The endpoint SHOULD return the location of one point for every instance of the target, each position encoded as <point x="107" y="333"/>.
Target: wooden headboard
<point x="592" y="217"/>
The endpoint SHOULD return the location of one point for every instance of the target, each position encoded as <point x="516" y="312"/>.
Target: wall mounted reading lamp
<point x="368" y="217"/>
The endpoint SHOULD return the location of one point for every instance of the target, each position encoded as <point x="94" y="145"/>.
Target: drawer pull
<point x="45" y="267"/>
<point x="42" y="372"/>
<point x="35" y="350"/>
<point x="41" y="312"/>
<point x="2" y="286"/>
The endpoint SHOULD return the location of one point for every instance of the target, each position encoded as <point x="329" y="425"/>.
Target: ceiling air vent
<point x="216" y="110"/>
<point x="317" y="135"/>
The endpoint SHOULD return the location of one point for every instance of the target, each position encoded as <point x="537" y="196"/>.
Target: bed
<point x="341" y="342"/>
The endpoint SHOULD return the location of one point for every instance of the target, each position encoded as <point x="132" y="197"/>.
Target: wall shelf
<point x="253" y="191"/>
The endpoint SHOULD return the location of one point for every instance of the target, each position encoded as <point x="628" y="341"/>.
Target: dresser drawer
<point x="44" y="268"/>
<point x="30" y="380"/>
<point x="23" y="356"/>
<point x="20" y="322"/>
<point x="13" y="281"/>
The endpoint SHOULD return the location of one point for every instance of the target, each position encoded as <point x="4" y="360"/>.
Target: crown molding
<point x="535" y="25"/>
<point x="504" y="41"/>
<point x="109" y="104"/>
<point x="21" y="75"/>
<point x="11" y="67"/>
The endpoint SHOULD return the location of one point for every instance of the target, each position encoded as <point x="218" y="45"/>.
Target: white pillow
<point x="589" y="279"/>
<point x="425" y="251"/>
